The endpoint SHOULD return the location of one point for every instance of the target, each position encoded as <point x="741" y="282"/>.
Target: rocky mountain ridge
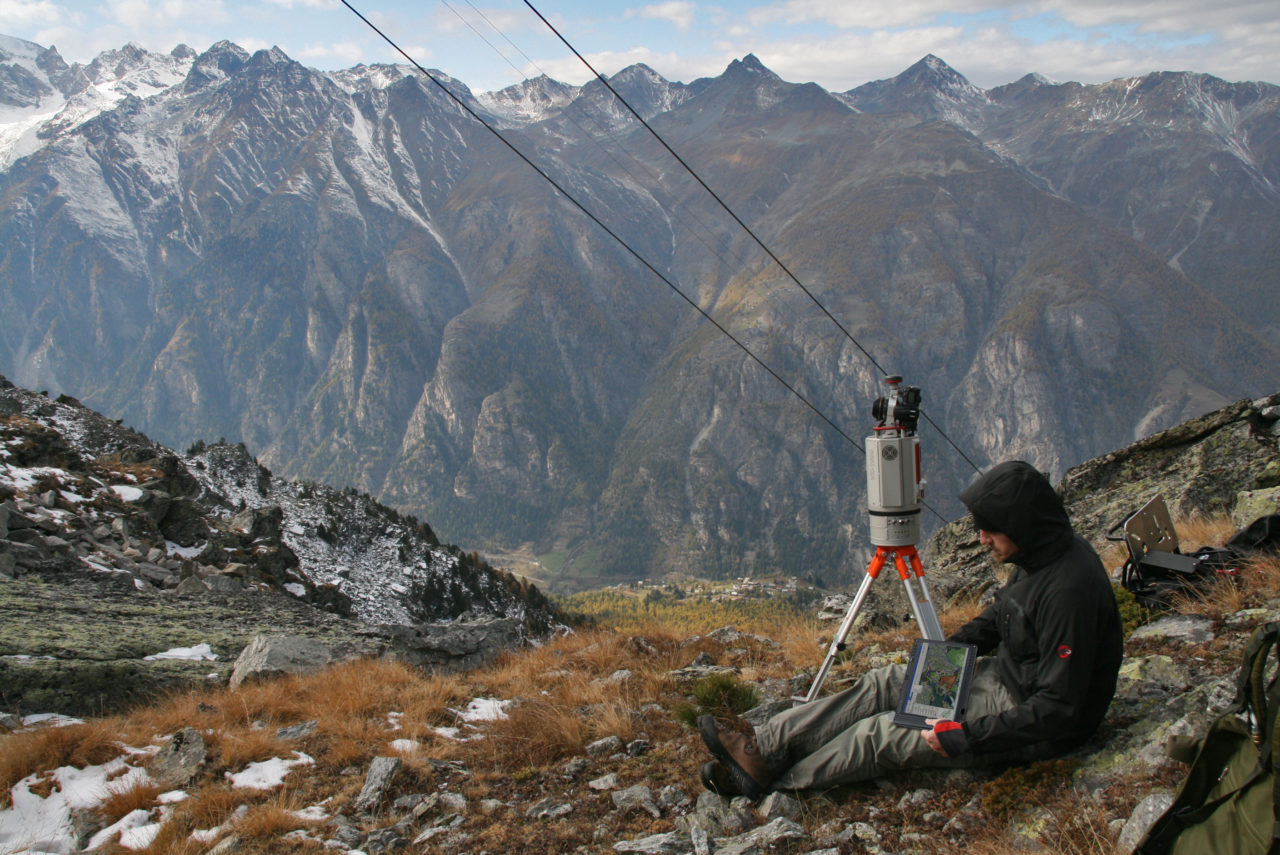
<point x="111" y="544"/>
<point x="355" y="279"/>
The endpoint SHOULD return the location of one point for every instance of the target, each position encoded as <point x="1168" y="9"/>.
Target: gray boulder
<point x="459" y="645"/>
<point x="269" y="656"/>
<point x="178" y="760"/>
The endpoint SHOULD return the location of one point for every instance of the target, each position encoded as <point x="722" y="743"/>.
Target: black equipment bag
<point x="1156" y="571"/>
<point x="1229" y="803"/>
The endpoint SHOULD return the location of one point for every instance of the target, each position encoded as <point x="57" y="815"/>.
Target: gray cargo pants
<point x="850" y="736"/>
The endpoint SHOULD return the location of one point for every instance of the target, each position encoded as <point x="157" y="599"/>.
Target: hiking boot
<point x="740" y="756"/>
<point x="719" y="780"/>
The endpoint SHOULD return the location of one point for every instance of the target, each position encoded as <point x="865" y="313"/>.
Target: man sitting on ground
<point x="1055" y="630"/>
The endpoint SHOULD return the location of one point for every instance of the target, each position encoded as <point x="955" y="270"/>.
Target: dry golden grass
<point x="536" y="732"/>
<point x="174" y="839"/>
<point x="272" y="819"/>
<point x="211" y="806"/>
<point x="1263" y="576"/>
<point x="46" y="748"/>
<point x="1201" y="530"/>
<point x="123" y="800"/>
<point x="799" y="637"/>
<point x="564" y="698"/>
<point x="240" y="746"/>
<point x="958" y="615"/>
<point x="1257" y="580"/>
<point x="173" y="712"/>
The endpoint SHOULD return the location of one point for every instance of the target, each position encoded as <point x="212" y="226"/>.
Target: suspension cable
<point x="783" y="267"/>
<point x="633" y="252"/>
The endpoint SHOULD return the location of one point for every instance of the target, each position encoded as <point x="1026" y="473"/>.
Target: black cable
<point x="699" y="230"/>
<point x="573" y="200"/>
<point x="735" y="217"/>
<point x="633" y="252"/>
<point x="713" y="193"/>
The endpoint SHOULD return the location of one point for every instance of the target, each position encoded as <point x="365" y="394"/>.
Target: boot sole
<point x="710" y="734"/>
<point x="717" y="783"/>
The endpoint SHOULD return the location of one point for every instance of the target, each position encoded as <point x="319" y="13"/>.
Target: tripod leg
<point x="921" y="604"/>
<point x="846" y="626"/>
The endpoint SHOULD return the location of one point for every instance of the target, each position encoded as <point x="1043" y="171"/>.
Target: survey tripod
<point x="894" y="491"/>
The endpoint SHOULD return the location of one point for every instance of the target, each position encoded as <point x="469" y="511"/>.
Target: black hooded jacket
<point x="1054" y="626"/>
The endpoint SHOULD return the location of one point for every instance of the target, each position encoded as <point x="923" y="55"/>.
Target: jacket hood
<point x="1014" y="499"/>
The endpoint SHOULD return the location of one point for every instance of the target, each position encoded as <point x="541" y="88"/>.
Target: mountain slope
<point x="360" y="282"/>
<point x="1186" y="163"/>
<point x="81" y="494"/>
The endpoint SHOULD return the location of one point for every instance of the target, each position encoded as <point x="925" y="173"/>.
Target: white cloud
<point x="679" y="14"/>
<point x="672" y="66"/>
<point x="350" y="52"/>
<point x="841" y="45"/>
<point x="253" y="45"/>
<point x="25" y="13"/>
<point x="1162" y="16"/>
<point x="148" y="16"/>
<point x="872" y="14"/>
<point x="848" y="60"/>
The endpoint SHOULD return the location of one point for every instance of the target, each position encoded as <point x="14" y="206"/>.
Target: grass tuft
<point x="124" y="800"/>
<point x="46" y="748"/>
<point x="721" y="695"/>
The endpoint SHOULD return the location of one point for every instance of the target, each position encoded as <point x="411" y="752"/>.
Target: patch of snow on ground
<point x="36" y="824"/>
<point x="50" y="720"/>
<point x="135" y="830"/>
<point x="484" y="709"/>
<point x="22" y="479"/>
<point x="175" y="551"/>
<point x="126" y="493"/>
<point x="449" y="733"/>
<point x="195" y="654"/>
<point x="268" y="774"/>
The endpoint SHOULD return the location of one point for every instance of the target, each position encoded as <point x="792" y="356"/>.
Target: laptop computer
<point x="939" y="675"/>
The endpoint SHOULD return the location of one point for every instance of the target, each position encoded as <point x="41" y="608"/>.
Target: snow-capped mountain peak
<point x="42" y="97"/>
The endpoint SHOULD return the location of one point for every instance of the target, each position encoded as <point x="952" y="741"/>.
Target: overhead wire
<point x="610" y="232"/>
<point x="783" y="267"/>
<point x="698" y="228"/>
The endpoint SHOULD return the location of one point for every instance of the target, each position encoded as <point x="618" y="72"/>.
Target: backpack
<point x="1229" y="802"/>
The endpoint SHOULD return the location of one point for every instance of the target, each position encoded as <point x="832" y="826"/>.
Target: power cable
<point x="698" y="229"/>
<point x="461" y="104"/>
<point x="634" y="253"/>
<point x="736" y="218"/>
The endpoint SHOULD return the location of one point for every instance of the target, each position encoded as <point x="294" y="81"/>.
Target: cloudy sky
<point x="838" y="44"/>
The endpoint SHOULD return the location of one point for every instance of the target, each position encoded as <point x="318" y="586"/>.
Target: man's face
<point x="1001" y="546"/>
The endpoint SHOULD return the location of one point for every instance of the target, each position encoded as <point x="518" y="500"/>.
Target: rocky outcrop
<point x="115" y="552"/>
<point x="1224" y="463"/>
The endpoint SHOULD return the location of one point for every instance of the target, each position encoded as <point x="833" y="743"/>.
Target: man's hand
<point x="931" y="736"/>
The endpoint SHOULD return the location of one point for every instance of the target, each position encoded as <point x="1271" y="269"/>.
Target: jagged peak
<point x="270" y="56"/>
<point x="933" y="69"/>
<point x="540" y="84"/>
<point x="11" y="46"/>
<point x="224" y="48"/>
<point x="750" y="64"/>
<point x="638" y="70"/>
<point x="221" y="60"/>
